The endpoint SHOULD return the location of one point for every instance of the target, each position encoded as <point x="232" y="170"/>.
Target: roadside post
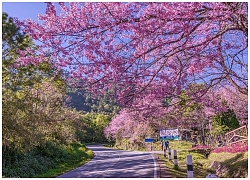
<point x="169" y="153"/>
<point x="175" y="158"/>
<point x="190" y="170"/>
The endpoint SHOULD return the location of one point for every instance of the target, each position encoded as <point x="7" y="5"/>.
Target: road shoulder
<point x="162" y="171"/>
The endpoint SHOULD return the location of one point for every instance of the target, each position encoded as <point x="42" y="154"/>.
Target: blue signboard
<point x="149" y="139"/>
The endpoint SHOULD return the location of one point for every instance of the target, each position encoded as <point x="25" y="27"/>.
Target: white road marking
<point x="155" y="167"/>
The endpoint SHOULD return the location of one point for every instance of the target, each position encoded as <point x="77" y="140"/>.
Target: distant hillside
<point x="83" y="101"/>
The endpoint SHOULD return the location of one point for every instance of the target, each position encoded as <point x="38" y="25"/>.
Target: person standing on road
<point x="167" y="144"/>
<point x="162" y="144"/>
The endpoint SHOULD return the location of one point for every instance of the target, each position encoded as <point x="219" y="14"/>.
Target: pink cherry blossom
<point x="145" y="46"/>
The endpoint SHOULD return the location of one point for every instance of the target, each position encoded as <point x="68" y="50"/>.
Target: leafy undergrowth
<point x="49" y="161"/>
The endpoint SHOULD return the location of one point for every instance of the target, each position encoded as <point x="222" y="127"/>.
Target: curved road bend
<point x="111" y="163"/>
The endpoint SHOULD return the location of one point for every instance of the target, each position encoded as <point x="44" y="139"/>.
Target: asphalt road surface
<point x="111" y="163"/>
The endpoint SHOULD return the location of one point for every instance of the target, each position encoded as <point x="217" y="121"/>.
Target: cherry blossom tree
<point x="141" y="49"/>
<point x="194" y="108"/>
<point x="137" y="121"/>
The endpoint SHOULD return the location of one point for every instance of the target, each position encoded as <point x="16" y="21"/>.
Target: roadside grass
<point x="78" y="155"/>
<point x="180" y="145"/>
<point x="180" y="171"/>
<point x="236" y="163"/>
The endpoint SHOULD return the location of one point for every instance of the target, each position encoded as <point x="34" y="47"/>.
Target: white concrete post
<point x="175" y="158"/>
<point x="190" y="170"/>
<point x="169" y="153"/>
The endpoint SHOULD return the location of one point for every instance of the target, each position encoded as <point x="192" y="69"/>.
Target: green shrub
<point x="44" y="159"/>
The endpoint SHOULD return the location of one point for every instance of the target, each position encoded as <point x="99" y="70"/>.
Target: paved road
<point x="111" y="163"/>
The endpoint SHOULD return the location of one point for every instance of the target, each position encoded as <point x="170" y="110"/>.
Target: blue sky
<point x="24" y="10"/>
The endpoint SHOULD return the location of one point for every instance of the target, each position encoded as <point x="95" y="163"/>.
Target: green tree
<point x="25" y="101"/>
<point x="100" y="122"/>
<point x="37" y="126"/>
<point x="91" y="127"/>
<point x="224" y="122"/>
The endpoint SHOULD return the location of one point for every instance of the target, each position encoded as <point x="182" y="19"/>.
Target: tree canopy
<point x="144" y="48"/>
<point x="33" y="97"/>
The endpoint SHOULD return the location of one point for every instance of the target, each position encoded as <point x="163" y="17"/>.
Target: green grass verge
<point x="180" y="171"/>
<point x="236" y="163"/>
<point x="180" y="145"/>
